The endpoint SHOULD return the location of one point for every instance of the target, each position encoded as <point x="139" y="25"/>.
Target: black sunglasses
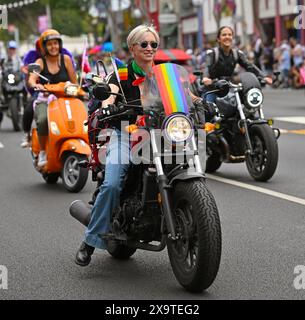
<point x="144" y="44"/>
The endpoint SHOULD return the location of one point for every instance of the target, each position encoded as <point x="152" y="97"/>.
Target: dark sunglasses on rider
<point x="144" y="44"/>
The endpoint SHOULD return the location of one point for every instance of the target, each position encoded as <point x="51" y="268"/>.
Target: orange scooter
<point x="67" y="145"/>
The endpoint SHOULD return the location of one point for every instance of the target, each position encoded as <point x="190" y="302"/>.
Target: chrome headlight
<point x="178" y="129"/>
<point x="254" y="98"/>
<point x="71" y="90"/>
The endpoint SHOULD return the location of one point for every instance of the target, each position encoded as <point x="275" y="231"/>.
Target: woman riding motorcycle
<point x="56" y="67"/>
<point x="143" y="42"/>
<point x="221" y="61"/>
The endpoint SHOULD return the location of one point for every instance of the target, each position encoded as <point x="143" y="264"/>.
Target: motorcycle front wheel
<point x="195" y="256"/>
<point x="50" y="178"/>
<point x="14" y="108"/>
<point x="73" y="176"/>
<point x="263" y="162"/>
<point x="213" y="163"/>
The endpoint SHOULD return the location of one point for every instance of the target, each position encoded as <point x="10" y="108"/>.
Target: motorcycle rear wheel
<point x="263" y="163"/>
<point x="120" y="251"/>
<point x="195" y="257"/>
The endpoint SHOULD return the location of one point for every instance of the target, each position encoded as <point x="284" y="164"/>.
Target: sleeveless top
<point x="60" y="76"/>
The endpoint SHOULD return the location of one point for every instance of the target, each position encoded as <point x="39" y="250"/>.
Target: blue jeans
<point x="117" y="163"/>
<point x="211" y="97"/>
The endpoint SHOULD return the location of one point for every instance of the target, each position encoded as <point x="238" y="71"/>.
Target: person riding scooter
<point x="28" y="114"/>
<point x="56" y="67"/>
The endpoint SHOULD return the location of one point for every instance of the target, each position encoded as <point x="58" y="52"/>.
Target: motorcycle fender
<point x="184" y="176"/>
<point x="75" y="145"/>
<point x="257" y="122"/>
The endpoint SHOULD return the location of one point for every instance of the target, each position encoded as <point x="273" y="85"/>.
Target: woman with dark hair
<point x="221" y="61"/>
<point x="56" y="67"/>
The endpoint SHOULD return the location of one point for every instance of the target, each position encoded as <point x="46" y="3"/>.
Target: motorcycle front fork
<point x="244" y="125"/>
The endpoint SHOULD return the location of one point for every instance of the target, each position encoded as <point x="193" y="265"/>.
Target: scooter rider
<point x="221" y="61"/>
<point x="56" y="67"/>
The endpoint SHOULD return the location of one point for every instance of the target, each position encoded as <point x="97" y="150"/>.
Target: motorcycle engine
<point x="137" y="223"/>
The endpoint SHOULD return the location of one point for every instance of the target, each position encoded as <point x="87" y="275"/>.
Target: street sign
<point x="167" y="18"/>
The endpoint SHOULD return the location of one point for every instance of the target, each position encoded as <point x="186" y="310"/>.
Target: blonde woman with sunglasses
<point x="143" y="42"/>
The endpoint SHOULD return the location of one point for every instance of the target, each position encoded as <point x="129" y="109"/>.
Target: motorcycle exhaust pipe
<point x="81" y="211"/>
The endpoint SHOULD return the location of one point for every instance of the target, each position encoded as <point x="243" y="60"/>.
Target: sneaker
<point x="42" y="159"/>
<point x="25" y="142"/>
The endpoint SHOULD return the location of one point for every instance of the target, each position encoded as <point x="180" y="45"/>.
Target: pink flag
<point x="85" y="62"/>
<point x="43" y="23"/>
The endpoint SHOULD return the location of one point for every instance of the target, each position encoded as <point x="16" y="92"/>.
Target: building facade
<point x="187" y="23"/>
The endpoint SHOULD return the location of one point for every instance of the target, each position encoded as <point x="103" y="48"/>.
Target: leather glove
<point x="210" y="108"/>
<point x="109" y="110"/>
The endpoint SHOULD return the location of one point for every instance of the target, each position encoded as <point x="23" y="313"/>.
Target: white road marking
<point x="299" y="120"/>
<point x="1" y="146"/>
<point x="258" y="189"/>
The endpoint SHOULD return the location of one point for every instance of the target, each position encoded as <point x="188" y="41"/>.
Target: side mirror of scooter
<point x="34" y="68"/>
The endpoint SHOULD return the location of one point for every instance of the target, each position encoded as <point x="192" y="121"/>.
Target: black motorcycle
<point x="165" y="201"/>
<point x="14" y="92"/>
<point x="240" y="132"/>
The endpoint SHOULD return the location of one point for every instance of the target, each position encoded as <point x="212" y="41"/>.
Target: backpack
<point x="216" y="54"/>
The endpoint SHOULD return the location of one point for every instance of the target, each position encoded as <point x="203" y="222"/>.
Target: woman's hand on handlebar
<point x="268" y="80"/>
<point x="207" y="81"/>
<point x="39" y="87"/>
<point x="109" y="110"/>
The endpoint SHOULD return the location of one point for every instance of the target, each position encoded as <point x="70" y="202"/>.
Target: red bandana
<point x="138" y="81"/>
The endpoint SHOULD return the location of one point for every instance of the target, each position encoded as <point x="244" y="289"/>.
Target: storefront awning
<point x="171" y="55"/>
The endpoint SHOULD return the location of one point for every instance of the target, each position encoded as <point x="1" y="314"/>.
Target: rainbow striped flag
<point x="170" y="87"/>
<point x="120" y="69"/>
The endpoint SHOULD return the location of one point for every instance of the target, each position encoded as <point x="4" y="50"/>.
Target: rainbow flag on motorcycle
<point x="120" y="69"/>
<point x="170" y="87"/>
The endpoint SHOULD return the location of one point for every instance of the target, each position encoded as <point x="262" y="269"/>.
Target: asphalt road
<point x="263" y="235"/>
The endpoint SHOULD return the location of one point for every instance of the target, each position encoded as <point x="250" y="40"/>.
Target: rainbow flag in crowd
<point x="170" y="87"/>
<point x="120" y="69"/>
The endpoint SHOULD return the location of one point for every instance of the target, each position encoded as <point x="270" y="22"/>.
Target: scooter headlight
<point x="178" y="129"/>
<point x="254" y="98"/>
<point x="11" y="78"/>
<point x="71" y="90"/>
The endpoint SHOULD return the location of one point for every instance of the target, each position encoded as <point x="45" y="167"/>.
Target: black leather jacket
<point x="226" y="65"/>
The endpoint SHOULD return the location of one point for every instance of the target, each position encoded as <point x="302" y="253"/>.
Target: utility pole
<point x="278" y="27"/>
<point x="48" y="12"/>
<point x="244" y="24"/>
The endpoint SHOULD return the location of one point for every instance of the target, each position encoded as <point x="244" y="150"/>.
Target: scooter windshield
<point x="167" y="89"/>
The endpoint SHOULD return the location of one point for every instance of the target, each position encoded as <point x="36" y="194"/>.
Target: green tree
<point x="69" y="17"/>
